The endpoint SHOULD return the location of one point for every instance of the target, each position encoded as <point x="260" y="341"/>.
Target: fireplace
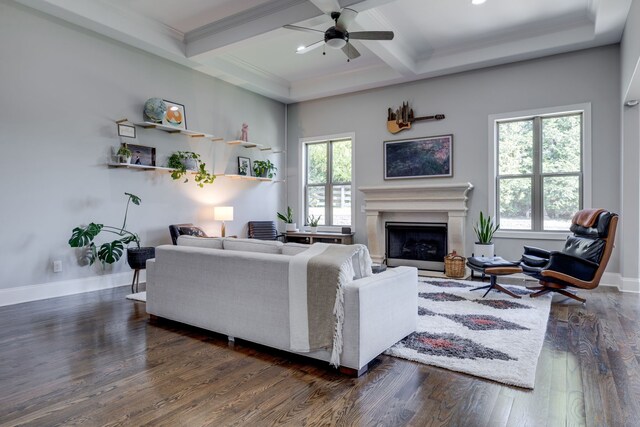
<point x="416" y="244"/>
<point x="432" y="203"/>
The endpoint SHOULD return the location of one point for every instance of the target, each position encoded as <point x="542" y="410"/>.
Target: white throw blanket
<point x="317" y="278"/>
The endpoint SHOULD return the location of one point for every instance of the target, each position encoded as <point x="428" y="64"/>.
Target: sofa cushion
<point x="294" y="248"/>
<point x="200" y="242"/>
<point x="253" y="245"/>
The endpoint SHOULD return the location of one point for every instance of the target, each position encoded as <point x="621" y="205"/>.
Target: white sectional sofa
<point x="239" y="287"/>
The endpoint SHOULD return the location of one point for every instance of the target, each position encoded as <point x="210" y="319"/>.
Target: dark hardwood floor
<point x="95" y="359"/>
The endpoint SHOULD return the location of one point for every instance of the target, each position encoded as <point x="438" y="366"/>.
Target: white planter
<point x="291" y="226"/>
<point x="483" y="250"/>
<point x="124" y="160"/>
<point x="313" y="229"/>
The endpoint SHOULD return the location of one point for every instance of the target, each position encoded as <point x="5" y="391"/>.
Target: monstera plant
<point x="111" y="252"/>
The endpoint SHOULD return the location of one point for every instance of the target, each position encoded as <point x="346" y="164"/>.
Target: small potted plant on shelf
<point x="111" y="252"/>
<point x="313" y="223"/>
<point x="184" y="161"/>
<point x="124" y="154"/>
<point x="484" y="230"/>
<point x="288" y="220"/>
<point x="264" y="168"/>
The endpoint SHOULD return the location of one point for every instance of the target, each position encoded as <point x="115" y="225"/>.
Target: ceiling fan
<point x="338" y="36"/>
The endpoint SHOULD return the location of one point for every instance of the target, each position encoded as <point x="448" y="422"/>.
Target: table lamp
<point x="223" y="213"/>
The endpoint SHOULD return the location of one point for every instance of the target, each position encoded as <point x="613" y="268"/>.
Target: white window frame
<point x="303" y="175"/>
<point x="585" y="109"/>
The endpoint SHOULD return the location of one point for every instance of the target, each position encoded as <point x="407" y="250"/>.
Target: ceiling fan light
<point x="478" y="2"/>
<point x="337" y="43"/>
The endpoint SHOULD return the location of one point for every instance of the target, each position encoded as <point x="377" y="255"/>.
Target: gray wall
<point x="629" y="244"/>
<point x="468" y="99"/>
<point x="630" y="48"/>
<point x="61" y="89"/>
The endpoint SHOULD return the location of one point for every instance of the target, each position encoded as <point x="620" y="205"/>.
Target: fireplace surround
<point x="431" y="203"/>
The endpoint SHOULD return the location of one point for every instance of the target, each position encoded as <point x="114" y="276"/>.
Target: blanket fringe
<point x="338" y="311"/>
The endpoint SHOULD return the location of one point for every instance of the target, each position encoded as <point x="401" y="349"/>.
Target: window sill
<point x="532" y="235"/>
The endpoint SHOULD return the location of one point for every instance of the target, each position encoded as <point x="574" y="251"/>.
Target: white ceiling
<point x="243" y="42"/>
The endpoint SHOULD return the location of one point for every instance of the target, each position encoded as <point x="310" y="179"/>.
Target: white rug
<point x="496" y="337"/>
<point x="140" y="296"/>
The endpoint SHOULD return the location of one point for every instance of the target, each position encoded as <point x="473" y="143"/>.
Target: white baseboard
<point x="22" y="294"/>
<point x="629" y="284"/>
<point x="624" y="284"/>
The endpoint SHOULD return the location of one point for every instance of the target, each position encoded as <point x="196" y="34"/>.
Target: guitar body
<point x="397" y="127"/>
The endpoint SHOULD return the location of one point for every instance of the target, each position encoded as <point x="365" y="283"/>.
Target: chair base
<point x="545" y="288"/>
<point x="494" y="285"/>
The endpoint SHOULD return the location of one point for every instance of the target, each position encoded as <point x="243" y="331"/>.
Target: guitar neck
<point x="434" y="117"/>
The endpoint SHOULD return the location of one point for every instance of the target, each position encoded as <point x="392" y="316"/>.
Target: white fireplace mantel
<point x="429" y="203"/>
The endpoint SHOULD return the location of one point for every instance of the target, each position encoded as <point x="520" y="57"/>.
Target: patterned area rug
<point x="496" y="337"/>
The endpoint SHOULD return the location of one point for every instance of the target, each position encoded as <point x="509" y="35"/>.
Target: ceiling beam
<point x="395" y="53"/>
<point x="220" y="36"/>
<point x="607" y="14"/>
<point x="125" y="26"/>
<point x="247" y="24"/>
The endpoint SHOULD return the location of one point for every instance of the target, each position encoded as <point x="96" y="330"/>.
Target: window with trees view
<point x="539" y="176"/>
<point x="327" y="189"/>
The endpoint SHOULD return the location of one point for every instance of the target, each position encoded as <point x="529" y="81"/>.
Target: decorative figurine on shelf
<point x="244" y="136"/>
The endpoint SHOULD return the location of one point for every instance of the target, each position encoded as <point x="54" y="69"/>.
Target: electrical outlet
<point x="57" y="266"/>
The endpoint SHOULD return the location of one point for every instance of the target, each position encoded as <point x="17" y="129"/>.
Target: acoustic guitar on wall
<point x="402" y="118"/>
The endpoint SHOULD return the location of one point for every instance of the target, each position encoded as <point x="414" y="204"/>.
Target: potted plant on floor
<point x="484" y="230"/>
<point x="264" y="168"/>
<point x="111" y="252"/>
<point x="288" y="220"/>
<point x="182" y="162"/>
<point x="313" y="223"/>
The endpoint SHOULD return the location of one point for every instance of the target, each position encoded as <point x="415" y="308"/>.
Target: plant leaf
<point x="110" y="252"/>
<point x="82" y="236"/>
<point x="134" y="199"/>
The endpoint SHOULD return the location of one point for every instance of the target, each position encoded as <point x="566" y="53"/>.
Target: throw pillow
<point x="253" y="245"/>
<point x="192" y="231"/>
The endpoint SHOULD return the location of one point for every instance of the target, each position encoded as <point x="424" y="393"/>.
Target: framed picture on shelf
<point x="427" y="157"/>
<point x="244" y="166"/>
<point x="126" y="131"/>
<point x="175" y="115"/>
<point x="142" y="155"/>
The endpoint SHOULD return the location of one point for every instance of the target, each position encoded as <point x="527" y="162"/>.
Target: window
<point x="327" y="181"/>
<point x="539" y="169"/>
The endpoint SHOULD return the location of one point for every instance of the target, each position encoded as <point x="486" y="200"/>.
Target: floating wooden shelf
<point x="144" y="167"/>
<point x="170" y="129"/>
<point x="247" y="144"/>
<point x="247" y="177"/>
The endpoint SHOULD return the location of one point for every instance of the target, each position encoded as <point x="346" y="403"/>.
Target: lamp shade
<point x="223" y="213"/>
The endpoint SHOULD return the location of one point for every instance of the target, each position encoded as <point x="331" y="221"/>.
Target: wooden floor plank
<point x="95" y="359"/>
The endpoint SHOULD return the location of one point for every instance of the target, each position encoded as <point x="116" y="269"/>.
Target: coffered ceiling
<point x="243" y="42"/>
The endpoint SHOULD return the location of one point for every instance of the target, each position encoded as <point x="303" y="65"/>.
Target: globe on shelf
<point x="155" y="109"/>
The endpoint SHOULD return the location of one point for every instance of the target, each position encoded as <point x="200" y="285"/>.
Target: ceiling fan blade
<point x="312" y="46"/>
<point x="371" y="35"/>
<point x="347" y="16"/>
<point x="305" y="29"/>
<point x="350" y="51"/>
<point x="327" y="6"/>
